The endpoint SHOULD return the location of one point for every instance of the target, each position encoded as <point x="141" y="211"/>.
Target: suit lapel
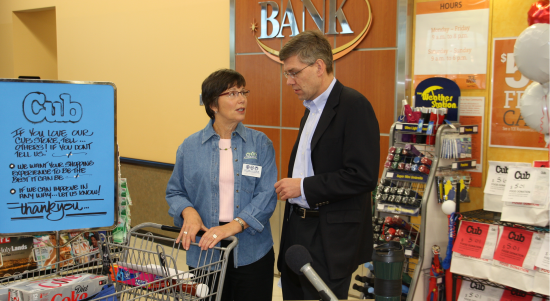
<point x="328" y="113"/>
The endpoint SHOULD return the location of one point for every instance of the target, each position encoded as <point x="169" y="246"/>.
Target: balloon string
<point x="541" y="132"/>
<point x="541" y="122"/>
<point x="548" y="118"/>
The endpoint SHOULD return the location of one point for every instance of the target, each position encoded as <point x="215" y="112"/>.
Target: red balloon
<point x="538" y="13"/>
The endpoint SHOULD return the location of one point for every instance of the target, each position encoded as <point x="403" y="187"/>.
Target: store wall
<point x="370" y="68"/>
<point x="156" y="52"/>
<point x="506" y="19"/>
<point x="35" y="43"/>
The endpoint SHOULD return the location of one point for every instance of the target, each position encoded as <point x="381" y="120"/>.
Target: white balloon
<point x="534" y="107"/>
<point x="448" y="207"/>
<point x="531" y="52"/>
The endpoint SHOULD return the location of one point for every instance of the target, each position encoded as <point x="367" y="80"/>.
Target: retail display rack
<point x="432" y="230"/>
<point x="489" y="217"/>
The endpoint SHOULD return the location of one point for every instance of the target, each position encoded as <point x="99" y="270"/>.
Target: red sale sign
<point x="471" y="238"/>
<point x="513" y="246"/>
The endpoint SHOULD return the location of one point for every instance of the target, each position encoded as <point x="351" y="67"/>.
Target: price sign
<point x="513" y="294"/>
<point x="498" y="172"/>
<point x="527" y="185"/>
<point x="475" y="291"/>
<point x="472" y="238"/>
<point x="543" y="258"/>
<point x="513" y="246"/>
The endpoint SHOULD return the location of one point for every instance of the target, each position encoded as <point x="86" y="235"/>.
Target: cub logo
<point x="251" y="155"/>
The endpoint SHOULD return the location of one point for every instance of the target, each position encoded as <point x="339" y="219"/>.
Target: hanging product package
<point x="465" y="188"/>
<point x="124" y="217"/>
<point x="473" y="249"/>
<point x="449" y="188"/>
<point x="410" y="117"/>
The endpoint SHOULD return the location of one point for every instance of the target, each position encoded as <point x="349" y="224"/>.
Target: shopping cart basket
<point x="146" y="268"/>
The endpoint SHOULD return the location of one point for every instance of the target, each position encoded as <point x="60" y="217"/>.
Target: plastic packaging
<point x="424" y="169"/>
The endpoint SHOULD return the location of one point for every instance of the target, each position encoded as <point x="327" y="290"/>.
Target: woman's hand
<point x="215" y="234"/>
<point x="192" y="223"/>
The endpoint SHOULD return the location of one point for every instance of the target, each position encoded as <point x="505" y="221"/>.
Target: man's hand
<point x="288" y="188"/>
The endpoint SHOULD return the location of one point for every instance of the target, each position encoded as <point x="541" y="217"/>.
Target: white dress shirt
<point x="302" y="163"/>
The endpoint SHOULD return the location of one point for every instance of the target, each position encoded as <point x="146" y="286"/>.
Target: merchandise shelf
<point x="489" y="283"/>
<point x="489" y="217"/>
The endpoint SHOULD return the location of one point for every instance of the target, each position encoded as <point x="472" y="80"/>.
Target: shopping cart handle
<point x="177" y="230"/>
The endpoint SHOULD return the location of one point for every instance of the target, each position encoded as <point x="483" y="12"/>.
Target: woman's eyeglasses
<point x="236" y="93"/>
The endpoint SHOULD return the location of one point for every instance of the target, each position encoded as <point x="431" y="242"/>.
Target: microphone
<point x="298" y="259"/>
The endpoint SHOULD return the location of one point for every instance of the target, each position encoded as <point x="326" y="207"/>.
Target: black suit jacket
<point x="345" y="154"/>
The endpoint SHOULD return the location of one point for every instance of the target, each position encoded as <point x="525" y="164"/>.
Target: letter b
<point x="271" y="19"/>
<point x="72" y="111"/>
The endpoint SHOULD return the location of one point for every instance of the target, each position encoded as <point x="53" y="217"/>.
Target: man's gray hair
<point x="309" y="46"/>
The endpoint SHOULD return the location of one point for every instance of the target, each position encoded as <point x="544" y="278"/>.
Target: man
<point x="332" y="170"/>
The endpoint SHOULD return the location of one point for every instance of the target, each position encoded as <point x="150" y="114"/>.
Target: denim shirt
<point x="195" y="183"/>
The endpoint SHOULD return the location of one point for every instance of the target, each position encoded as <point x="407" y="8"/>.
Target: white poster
<point x="451" y="41"/>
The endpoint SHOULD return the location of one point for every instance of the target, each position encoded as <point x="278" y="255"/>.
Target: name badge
<point x="252" y="170"/>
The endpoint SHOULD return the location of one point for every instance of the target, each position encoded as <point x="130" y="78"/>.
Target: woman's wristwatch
<point x="238" y="220"/>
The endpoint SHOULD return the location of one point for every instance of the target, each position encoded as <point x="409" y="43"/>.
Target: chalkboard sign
<point x="57" y="156"/>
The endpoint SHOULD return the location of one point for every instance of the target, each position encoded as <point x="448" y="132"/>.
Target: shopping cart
<point x="146" y="268"/>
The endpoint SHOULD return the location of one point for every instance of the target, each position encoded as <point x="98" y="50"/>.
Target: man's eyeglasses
<point x="236" y="93"/>
<point x="293" y="74"/>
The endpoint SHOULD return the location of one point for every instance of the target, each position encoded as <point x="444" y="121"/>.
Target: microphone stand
<point x="324" y="296"/>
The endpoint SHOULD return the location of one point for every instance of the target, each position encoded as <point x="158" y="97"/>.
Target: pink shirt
<point x="227" y="181"/>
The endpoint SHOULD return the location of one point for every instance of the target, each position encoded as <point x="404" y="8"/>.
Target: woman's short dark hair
<point x="215" y="84"/>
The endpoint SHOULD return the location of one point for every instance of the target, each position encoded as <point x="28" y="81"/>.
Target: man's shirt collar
<point x="318" y="104"/>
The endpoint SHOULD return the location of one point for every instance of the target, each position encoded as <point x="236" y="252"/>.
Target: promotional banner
<point x="508" y="129"/>
<point x="58" y="156"/>
<point x="438" y="92"/>
<point x="451" y="41"/>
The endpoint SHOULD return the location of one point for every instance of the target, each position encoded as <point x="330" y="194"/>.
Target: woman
<point x="222" y="183"/>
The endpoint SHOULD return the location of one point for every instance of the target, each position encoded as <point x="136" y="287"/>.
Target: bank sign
<point x="285" y="17"/>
